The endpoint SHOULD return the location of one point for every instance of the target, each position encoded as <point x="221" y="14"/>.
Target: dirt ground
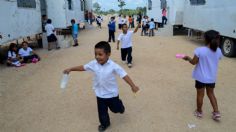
<point x="32" y="101"/>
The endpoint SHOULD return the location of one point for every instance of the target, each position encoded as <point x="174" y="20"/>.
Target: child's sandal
<point x="198" y="114"/>
<point x="216" y="116"/>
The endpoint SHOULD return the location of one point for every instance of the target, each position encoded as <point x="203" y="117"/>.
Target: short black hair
<point x="24" y="42"/>
<point x="103" y="45"/>
<point x="124" y="25"/>
<point x="49" y="21"/>
<point x="72" y="21"/>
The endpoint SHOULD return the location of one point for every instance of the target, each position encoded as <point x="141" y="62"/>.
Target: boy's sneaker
<point x="124" y="62"/>
<point x="129" y="65"/>
<point x="102" y="128"/>
<point x="216" y="116"/>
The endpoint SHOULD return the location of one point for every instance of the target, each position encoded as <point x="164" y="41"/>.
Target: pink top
<point x="164" y="12"/>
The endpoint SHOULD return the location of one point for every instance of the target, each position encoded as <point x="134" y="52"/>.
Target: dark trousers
<point x="120" y="26"/>
<point x="164" y="20"/>
<point x="111" y="36"/>
<point x="132" y="24"/>
<point x="144" y="30"/>
<point x="126" y="53"/>
<point x="151" y="32"/>
<point x="27" y="59"/>
<point x="114" y="104"/>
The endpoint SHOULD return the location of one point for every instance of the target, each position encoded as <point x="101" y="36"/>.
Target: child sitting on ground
<point x="13" y="58"/>
<point x="105" y="85"/>
<point x="28" y="54"/>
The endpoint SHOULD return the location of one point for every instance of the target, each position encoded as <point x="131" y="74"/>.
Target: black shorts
<point x="52" y="38"/>
<point x="199" y="85"/>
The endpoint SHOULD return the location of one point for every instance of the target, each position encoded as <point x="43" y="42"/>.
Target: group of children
<point x="148" y="26"/>
<point x="18" y="57"/>
<point x="51" y="37"/>
<point x="123" y="20"/>
<point x="205" y="58"/>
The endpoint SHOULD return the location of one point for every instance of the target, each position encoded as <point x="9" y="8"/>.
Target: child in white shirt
<point x="105" y="85"/>
<point x="13" y="58"/>
<point x="28" y="54"/>
<point x="126" y="44"/>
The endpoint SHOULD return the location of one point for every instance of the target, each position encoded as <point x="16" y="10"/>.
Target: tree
<point x="97" y="7"/>
<point x="111" y="11"/>
<point x="121" y="4"/>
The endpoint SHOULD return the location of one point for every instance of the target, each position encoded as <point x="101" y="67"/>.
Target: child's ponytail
<point x="212" y="39"/>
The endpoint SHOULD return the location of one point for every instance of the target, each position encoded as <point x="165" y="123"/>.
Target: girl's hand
<point x="135" y="89"/>
<point x="67" y="71"/>
<point x="187" y="58"/>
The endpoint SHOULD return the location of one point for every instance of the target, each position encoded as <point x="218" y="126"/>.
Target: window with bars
<point x="163" y="4"/>
<point x="69" y="4"/>
<point x="26" y="3"/>
<point x="82" y="4"/>
<point x="197" y="2"/>
<point x="149" y="4"/>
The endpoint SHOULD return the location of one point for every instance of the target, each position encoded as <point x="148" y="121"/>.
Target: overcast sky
<point x="113" y="4"/>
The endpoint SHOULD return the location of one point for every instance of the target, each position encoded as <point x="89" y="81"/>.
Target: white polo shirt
<point x="11" y="55"/>
<point x="49" y="29"/>
<point x="26" y="52"/>
<point x="104" y="82"/>
<point x="126" y="39"/>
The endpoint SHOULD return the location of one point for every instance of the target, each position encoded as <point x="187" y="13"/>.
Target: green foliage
<point x="97" y="7"/>
<point x="121" y="4"/>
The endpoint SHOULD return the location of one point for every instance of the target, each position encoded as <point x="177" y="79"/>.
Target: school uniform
<point x="112" y="29"/>
<point x="106" y="88"/>
<point x="144" y="26"/>
<point x="51" y="37"/>
<point x="27" y="54"/>
<point x="99" y="21"/>
<point x="120" y="22"/>
<point x="126" y="46"/>
<point x="12" y="57"/>
<point x="50" y="33"/>
<point x="205" y="72"/>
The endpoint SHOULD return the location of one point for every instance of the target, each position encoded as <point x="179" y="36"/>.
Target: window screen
<point x="163" y="4"/>
<point x="197" y="2"/>
<point x="149" y="4"/>
<point x="82" y="3"/>
<point x="26" y="3"/>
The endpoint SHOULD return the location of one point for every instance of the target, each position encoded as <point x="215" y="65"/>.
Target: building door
<point x="43" y="7"/>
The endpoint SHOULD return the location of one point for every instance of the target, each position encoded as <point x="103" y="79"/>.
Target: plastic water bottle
<point x="64" y="81"/>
